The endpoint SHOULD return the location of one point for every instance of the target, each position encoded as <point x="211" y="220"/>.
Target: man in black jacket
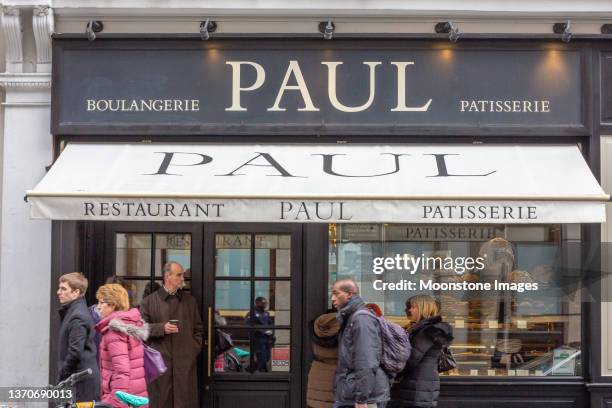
<point x="77" y="349"/>
<point x="263" y="338"/>
<point x="360" y="380"/>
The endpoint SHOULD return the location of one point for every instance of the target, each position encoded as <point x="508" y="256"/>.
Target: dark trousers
<point x="262" y="353"/>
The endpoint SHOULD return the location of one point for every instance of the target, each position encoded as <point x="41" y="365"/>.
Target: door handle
<point x="209" y="341"/>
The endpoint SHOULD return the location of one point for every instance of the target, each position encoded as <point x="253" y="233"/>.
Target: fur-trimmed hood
<point x="129" y="323"/>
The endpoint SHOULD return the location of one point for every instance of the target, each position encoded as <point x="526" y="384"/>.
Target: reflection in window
<point x="233" y="298"/>
<point x="252" y="302"/>
<point x="173" y="248"/>
<point x="272" y="255"/>
<point x="133" y="255"/>
<point x="497" y="332"/>
<point x="270" y="353"/>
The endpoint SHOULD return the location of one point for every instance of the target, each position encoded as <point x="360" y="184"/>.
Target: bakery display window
<point x="510" y="292"/>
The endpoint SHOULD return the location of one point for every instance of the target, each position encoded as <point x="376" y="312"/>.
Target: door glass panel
<point x="133" y="254"/>
<point x="233" y="262"/>
<point x="277" y="298"/>
<point x="232" y="300"/>
<point x="148" y="288"/>
<point x="173" y="248"/>
<point x="266" y="241"/>
<point x="272" y="255"/>
<point x="238" y="358"/>
<point x="271" y="350"/>
<point x="260" y="302"/>
<point x="264" y="350"/>
<point x="136" y="290"/>
<point x="233" y="255"/>
<point x="281" y="352"/>
<point x="233" y="241"/>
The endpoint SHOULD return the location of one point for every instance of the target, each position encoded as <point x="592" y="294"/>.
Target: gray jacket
<point x="359" y="376"/>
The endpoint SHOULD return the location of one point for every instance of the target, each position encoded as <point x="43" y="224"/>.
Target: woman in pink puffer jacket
<point x="121" y="350"/>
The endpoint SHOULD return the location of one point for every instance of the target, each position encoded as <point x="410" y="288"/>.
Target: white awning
<point x="357" y="183"/>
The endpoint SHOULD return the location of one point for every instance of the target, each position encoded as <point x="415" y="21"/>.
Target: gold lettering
<point x="332" y="91"/>
<point x="506" y="106"/>
<point x="294" y="68"/>
<point x="401" y="90"/>
<point x="237" y="89"/>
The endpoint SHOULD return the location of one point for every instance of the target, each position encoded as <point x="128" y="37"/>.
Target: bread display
<point x="508" y="346"/>
<point x="518" y="276"/>
<point x="499" y="332"/>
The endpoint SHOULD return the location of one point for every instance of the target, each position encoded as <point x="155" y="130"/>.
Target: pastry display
<point x="464" y="277"/>
<point x="501" y="331"/>
<point x="508" y="346"/>
<point x="544" y="274"/>
<point x="517" y="276"/>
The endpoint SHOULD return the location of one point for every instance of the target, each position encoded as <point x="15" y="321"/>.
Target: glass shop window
<point x="527" y="324"/>
<point x="140" y="257"/>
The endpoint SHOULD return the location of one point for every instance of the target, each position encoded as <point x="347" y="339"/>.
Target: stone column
<point x="25" y="249"/>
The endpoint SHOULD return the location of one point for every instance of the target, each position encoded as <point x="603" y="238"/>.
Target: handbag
<point x="154" y="364"/>
<point x="446" y="361"/>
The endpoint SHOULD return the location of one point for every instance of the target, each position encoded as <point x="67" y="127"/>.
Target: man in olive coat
<point x="176" y="332"/>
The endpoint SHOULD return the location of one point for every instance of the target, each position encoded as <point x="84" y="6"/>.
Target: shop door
<point x="252" y="310"/>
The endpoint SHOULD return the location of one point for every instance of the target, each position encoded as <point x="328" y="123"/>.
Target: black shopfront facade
<point x="168" y="97"/>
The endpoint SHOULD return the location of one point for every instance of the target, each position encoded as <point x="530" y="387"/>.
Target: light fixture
<point x="448" y="27"/>
<point x="606" y="29"/>
<point x="564" y="30"/>
<point x="327" y="29"/>
<point x="93" y="27"/>
<point x="207" y="27"/>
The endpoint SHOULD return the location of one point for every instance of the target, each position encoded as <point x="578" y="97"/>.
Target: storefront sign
<point x="442" y="232"/>
<point x="360" y="233"/>
<point x="270" y="210"/>
<point x="341" y="87"/>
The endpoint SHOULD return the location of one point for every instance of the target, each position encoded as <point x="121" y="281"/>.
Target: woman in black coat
<point x="419" y="382"/>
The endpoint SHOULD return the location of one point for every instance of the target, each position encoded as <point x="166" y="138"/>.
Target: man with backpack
<point x="360" y="379"/>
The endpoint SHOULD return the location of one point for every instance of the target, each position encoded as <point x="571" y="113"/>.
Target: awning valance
<point x="501" y="184"/>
